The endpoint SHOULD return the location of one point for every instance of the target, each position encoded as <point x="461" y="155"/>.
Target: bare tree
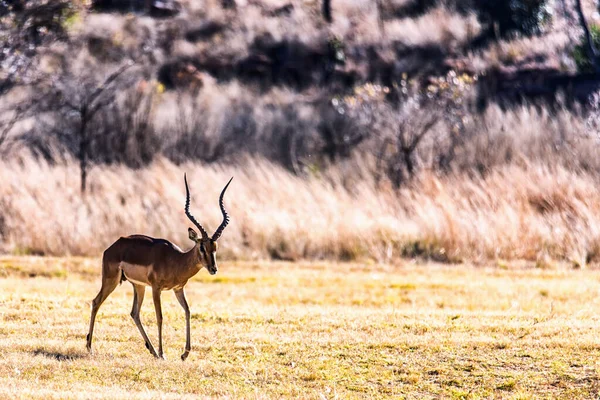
<point x="76" y="101"/>
<point x="398" y="153"/>
<point x="25" y="28"/>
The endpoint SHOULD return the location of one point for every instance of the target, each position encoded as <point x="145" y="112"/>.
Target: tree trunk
<point x="228" y="4"/>
<point x="591" y="48"/>
<point x="380" y="18"/>
<point x="327" y="11"/>
<point x="83" y="149"/>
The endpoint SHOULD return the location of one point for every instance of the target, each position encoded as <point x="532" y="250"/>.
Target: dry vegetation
<point x="377" y="139"/>
<point x="524" y="211"/>
<point x="273" y="330"/>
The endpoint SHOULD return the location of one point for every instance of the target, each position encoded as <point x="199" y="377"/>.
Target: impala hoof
<point x="184" y="356"/>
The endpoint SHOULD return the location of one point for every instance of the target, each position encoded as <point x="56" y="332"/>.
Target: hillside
<point x="272" y="78"/>
<point x="447" y="130"/>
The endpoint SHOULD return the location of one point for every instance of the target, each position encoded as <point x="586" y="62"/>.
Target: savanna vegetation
<point x="445" y="130"/>
<point x="415" y="208"/>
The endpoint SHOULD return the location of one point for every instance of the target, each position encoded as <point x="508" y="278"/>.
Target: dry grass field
<point x="532" y="212"/>
<point x="429" y="233"/>
<point x="307" y="330"/>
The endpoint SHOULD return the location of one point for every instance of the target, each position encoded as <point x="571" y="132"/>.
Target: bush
<point x="200" y="135"/>
<point x="124" y="131"/>
<point x="580" y="52"/>
<point x="527" y="17"/>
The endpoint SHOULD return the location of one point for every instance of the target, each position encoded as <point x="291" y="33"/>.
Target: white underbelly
<point x="137" y="274"/>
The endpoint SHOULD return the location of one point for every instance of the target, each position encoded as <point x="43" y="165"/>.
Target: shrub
<point x="124" y="131"/>
<point x="522" y="16"/>
<point x="580" y="52"/>
<point x="200" y="133"/>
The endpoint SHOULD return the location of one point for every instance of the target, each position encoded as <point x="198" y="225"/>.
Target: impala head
<point x="207" y="246"/>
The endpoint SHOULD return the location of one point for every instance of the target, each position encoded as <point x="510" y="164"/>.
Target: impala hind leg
<point x="159" y="318"/>
<point x="138" y="299"/>
<point x="109" y="282"/>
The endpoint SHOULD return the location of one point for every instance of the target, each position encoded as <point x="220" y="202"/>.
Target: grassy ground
<point x="272" y="330"/>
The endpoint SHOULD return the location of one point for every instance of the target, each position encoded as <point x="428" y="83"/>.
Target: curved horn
<point x="187" y="209"/>
<point x="219" y="230"/>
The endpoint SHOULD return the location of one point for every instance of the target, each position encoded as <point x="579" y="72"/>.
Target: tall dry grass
<point x="439" y="26"/>
<point x="520" y="211"/>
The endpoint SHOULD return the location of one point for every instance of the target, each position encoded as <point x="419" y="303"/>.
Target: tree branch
<point x="5" y="128"/>
<point x="107" y="82"/>
<point x="422" y="134"/>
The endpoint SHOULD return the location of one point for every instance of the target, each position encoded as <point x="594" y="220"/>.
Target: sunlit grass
<point x="272" y="330"/>
<point x="519" y="212"/>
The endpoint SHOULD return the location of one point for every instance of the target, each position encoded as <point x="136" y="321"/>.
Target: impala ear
<point x="193" y="234"/>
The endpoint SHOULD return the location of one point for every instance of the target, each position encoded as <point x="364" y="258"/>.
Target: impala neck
<point x="192" y="261"/>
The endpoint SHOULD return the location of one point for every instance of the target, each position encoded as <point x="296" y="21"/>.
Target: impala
<point x="158" y="263"/>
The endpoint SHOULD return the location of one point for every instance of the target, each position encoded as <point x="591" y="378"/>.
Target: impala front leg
<point x="159" y="318"/>
<point x="181" y="298"/>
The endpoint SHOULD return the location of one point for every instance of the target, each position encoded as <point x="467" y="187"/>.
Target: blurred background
<point x="367" y="130"/>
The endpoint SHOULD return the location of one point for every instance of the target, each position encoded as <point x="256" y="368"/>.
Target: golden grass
<point x="520" y="51"/>
<point x="524" y="211"/>
<point x="439" y="26"/>
<point x="320" y="330"/>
